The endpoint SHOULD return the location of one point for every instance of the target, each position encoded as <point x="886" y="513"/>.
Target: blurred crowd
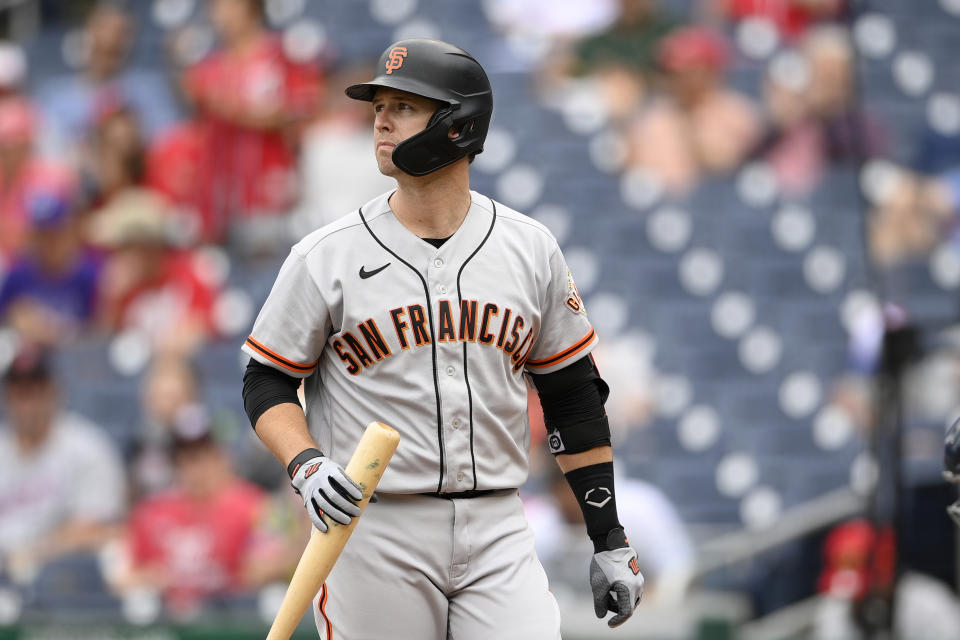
<point x="123" y="189"/>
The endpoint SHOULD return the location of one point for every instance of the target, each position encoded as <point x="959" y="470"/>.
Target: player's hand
<point x="326" y="491"/>
<point x="616" y="579"/>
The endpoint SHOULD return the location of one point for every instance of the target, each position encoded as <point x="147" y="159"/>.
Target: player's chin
<point x="387" y="168"/>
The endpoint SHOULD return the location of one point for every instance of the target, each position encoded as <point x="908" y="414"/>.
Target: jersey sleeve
<point x="290" y="332"/>
<point x="565" y="331"/>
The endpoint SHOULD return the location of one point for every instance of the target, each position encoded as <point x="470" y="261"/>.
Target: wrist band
<point x="300" y="458"/>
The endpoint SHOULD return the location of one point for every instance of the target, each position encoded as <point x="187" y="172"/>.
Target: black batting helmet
<point x="441" y="71"/>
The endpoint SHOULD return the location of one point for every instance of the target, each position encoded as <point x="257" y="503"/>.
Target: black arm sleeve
<point x="265" y="387"/>
<point x="572" y="399"/>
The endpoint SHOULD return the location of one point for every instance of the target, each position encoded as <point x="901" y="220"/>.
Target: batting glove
<point x="615" y="579"/>
<point x="325" y="489"/>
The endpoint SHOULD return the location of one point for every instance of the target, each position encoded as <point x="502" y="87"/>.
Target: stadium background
<point x="774" y="291"/>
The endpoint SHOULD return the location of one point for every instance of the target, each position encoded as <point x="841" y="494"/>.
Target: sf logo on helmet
<point x="397" y="54"/>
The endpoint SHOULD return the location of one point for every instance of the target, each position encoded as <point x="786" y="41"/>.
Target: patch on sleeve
<point x="574" y="302"/>
<point x="555" y="442"/>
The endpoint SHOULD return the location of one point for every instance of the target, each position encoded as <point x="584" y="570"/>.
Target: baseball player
<point x="429" y="308"/>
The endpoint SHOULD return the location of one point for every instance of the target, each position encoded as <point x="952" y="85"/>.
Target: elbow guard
<point x="572" y="400"/>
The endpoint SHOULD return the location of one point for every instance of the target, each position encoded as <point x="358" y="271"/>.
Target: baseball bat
<point x="366" y="466"/>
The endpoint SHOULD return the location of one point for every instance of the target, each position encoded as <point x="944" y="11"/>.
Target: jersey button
<point x="442" y="288"/>
<point x="451" y="370"/>
<point x="460" y="476"/>
<point x="438" y="263"/>
<point x="455" y="423"/>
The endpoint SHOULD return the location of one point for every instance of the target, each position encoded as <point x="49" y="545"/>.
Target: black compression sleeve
<point x="265" y="387"/>
<point x="573" y="394"/>
<point x="593" y="487"/>
<point x="572" y="400"/>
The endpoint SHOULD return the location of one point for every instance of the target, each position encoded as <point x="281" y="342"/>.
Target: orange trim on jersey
<point x="322" y="605"/>
<point x="581" y="344"/>
<point x="276" y="358"/>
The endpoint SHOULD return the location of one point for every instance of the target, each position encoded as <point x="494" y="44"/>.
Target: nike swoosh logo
<point x="364" y="274"/>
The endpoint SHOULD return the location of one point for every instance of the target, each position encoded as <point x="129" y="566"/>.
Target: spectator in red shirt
<point x="148" y="285"/>
<point x="206" y="537"/>
<point x="251" y="101"/>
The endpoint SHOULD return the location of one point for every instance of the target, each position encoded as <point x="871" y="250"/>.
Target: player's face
<point x="398" y="115"/>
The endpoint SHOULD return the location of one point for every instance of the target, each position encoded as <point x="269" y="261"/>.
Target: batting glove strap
<point x="300" y="458"/>
<point x="617" y="584"/>
<point x="326" y="491"/>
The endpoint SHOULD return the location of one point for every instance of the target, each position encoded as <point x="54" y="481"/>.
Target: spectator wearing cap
<point x="206" y="536"/>
<point x="62" y="485"/>
<point x="50" y="292"/>
<point x="696" y="125"/>
<point x="71" y="103"/>
<point x="148" y="285"/>
<point x="21" y="172"/>
<point x="252" y="102"/>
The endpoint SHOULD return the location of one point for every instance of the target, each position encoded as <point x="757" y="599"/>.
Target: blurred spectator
<point x="177" y="165"/>
<point x="620" y="59"/>
<point x="852" y="134"/>
<point x="790" y="17"/>
<point x="859" y="574"/>
<point x="794" y="144"/>
<point x="696" y="125"/>
<point x="337" y="168"/>
<point x="72" y="103"/>
<point x="50" y="292"/>
<point x="630" y="42"/>
<point x="61" y="479"/>
<point x="205" y="537"/>
<point x="667" y="557"/>
<point x="21" y="172"/>
<point x="170" y="388"/>
<point x="147" y="284"/>
<point x="251" y="101"/>
<point x="117" y="155"/>
<point x="912" y="215"/>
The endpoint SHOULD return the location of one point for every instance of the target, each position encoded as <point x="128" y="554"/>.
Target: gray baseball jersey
<point x="432" y="341"/>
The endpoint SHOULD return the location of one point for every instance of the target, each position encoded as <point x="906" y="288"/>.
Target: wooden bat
<point x="367" y="465"/>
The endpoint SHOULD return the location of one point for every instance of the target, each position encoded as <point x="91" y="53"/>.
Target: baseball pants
<point x="426" y="568"/>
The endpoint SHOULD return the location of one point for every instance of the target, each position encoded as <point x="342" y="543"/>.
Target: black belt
<point x="473" y="493"/>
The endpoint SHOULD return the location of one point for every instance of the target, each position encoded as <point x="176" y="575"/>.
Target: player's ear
<point x="454" y="132"/>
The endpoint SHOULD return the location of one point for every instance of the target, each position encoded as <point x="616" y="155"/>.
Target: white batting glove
<point x="615" y="579"/>
<point x="326" y="490"/>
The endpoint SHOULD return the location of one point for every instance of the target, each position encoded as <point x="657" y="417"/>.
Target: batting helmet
<point x="443" y="72"/>
<point x="951" y="464"/>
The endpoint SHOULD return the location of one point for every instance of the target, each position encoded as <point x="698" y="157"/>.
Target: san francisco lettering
<point x="470" y="321"/>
